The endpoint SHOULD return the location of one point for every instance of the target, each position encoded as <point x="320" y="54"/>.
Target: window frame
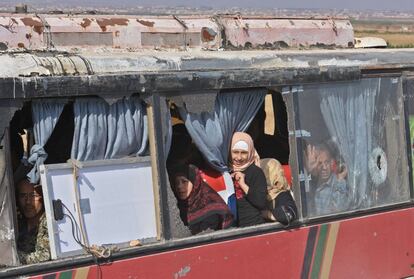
<point x="299" y="154"/>
<point x="169" y="243"/>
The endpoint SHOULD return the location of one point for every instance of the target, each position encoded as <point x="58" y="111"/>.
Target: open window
<point x="351" y="145"/>
<point x="94" y="163"/>
<point x="269" y="130"/>
<point x="204" y="123"/>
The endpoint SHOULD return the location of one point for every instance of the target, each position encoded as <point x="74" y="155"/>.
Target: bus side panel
<point x="379" y="246"/>
<point x="265" y="256"/>
<point x="374" y="246"/>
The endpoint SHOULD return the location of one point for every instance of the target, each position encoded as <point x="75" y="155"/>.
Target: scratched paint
<point x="182" y="272"/>
<point x="65" y="32"/>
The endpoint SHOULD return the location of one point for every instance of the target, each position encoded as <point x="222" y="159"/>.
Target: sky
<point x="316" y="4"/>
<point x="398" y="5"/>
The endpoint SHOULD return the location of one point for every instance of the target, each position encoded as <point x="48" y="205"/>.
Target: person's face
<point x="325" y="165"/>
<point x="30" y="202"/>
<point x="183" y="187"/>
<point x="239" y="157"/>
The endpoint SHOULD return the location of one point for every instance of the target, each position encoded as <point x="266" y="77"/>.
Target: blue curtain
<point x="45" y="115"/>
<point x="91" y="129"/>
<point x="212" y="131"/>
<point x="127" y="129"/>
<point x="105" y="131"/>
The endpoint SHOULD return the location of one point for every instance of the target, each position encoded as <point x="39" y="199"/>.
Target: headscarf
<point x="202" y="202"/>
<point x="276" y="184"/>
<point x="243" y="141"/>
<point x="275" y="178"/>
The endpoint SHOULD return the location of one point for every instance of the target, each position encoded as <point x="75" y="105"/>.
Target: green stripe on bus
<point x="320" y="247"/>
<point x="66" y="275"/>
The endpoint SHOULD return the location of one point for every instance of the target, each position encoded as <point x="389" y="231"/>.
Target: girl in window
<point x="201" y="208"/>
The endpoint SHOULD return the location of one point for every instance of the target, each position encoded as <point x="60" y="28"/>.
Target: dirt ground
<point x="397" y="33"/>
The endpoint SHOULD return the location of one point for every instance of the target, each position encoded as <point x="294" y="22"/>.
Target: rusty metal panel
<point x="148" y="32"/>
<point x="241" y="33"/>
<point x="21" y="32"/>
<point x="122" y="32"/>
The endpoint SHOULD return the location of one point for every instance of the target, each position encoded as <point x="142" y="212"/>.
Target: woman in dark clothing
<point x="249" y="181"/>
<point x="281" y="206"/>
<point x="201" y="208"/>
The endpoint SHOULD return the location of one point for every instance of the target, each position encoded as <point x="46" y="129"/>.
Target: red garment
<point x="288" y="174"/>
<point x="214" y="179"/>
<point x="239" y="191"/>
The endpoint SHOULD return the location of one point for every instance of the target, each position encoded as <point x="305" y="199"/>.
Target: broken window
<point x="351" y="145"/>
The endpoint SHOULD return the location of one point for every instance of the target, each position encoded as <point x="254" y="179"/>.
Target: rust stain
<point x="37" y="25"/>
<point x="21" y="45"/>
<point x="86" y="22"/>
<point x="104" y="22"/>
<point x="207" y="34"/>
<point x="146" y="23"/>
<point x="28" y="36"/>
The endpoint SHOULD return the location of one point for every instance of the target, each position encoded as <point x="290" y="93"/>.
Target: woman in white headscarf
<point x="249" y="180"/>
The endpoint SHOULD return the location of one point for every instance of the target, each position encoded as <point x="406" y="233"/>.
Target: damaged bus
<point x="94" y="108"/>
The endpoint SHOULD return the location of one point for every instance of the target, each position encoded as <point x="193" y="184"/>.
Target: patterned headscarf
<point x="275" y="178"/>
<point x="202" y="202"/>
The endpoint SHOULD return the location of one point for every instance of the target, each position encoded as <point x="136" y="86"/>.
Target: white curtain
<point x="348" y="112"/>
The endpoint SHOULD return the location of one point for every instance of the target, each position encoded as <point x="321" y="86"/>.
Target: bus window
<point x="88" y="131"/>
<point x="204" y="139"/>
<point x="352" y="145"/>
<point x="269" y="129"/>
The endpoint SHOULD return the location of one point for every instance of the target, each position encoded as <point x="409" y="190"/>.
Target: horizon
<point x="353" y="5"/>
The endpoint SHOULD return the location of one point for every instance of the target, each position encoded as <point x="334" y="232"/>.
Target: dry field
<point x="397" y="33"/>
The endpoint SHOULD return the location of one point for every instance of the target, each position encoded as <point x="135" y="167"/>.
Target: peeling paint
<point x="86" y="22"/>
<point x="151" y="32"/>
<point x="208" y="34"/>
<point x="182" y="272"/>
<point x="104" y="22"/>
<point x="146" y="22"/>
<point x="37" y="25"/>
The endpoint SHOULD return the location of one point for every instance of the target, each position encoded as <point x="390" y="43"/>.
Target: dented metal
<point x="62" y="32"/>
